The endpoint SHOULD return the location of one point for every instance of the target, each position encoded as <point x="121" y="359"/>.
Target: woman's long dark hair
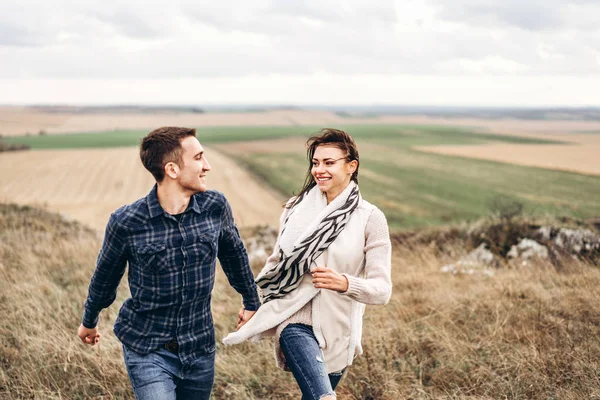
<point x="331" y="137"/>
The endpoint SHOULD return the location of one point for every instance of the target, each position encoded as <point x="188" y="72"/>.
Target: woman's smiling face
<point x="331" y="170"/>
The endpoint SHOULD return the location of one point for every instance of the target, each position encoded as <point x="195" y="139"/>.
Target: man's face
<point x="194" y="166"/>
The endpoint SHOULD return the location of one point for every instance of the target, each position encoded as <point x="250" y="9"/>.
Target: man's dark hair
<point x="162" y="146"/>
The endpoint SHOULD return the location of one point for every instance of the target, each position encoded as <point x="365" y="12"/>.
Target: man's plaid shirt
<point x="171" y="272"/>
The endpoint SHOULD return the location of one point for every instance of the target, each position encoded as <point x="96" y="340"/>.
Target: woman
<point x="332" y="256"/>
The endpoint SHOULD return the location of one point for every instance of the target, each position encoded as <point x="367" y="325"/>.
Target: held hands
<point x="243" y="317"/>
<point x="326" y="278"/>
<point x="88" y="336"/>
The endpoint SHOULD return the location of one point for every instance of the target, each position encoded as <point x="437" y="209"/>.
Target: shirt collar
<point x="155" y="209"/>
<point x="194" y="205"/>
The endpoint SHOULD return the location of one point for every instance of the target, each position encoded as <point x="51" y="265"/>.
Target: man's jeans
<point x="159" y="375"/>
<point x="304" y="358"/>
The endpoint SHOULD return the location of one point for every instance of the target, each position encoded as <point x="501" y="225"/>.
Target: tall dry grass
<point x="530" y="333"/>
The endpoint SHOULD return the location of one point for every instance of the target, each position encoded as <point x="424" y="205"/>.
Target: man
<point x="170" y="239"/>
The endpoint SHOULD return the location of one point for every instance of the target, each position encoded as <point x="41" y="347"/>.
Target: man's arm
<point x="234" y="261"/>
<point x="102" y="291"/>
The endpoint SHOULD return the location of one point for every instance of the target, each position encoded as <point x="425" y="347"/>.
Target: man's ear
<point x="172" y="170"/>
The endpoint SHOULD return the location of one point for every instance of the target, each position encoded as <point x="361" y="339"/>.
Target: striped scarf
<point x="287" y="274"/>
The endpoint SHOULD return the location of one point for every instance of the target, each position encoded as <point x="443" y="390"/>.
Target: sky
<point x="361" y="52"/>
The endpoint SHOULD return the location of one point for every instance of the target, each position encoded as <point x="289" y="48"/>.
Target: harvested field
<point x="568" y="157"/>
<point x="19" y="120"/>
<point x="22" y="120"/>
<point x="508" y="126"/>
<point x="88" y="185"/>
<point x="579" y="154"/>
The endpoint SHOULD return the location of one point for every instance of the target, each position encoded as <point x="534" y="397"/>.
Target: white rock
<point x="476" y="262"/>
<point x="575" y="240"/>
<point x="527" y="249"/>
<point x="451" y="268"/>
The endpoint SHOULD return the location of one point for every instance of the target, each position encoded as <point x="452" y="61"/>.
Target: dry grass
<point x="522" y="334"/>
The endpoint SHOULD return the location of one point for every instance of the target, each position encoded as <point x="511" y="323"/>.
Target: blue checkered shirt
<point x="171" y="273"/>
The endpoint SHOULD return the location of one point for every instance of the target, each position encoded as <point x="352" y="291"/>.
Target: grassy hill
<point x="523" y="333"/>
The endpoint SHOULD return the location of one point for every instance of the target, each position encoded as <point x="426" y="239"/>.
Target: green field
<point x="394" y="134"/>
<point x="127" y="138"/>
<point x="418" y="189"/>
<point x="413" y="188"/>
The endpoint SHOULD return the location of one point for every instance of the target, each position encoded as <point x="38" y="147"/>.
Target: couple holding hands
<point x="331" y="258"/>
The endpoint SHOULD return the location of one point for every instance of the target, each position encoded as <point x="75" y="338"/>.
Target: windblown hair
<point x="162" y="146"/>
<point x="330" y="137"/>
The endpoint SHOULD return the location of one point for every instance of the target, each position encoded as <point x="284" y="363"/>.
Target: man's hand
<point x="243" y="317"/>
<point x="326" y="278"/>
<point x="88" y="336"/>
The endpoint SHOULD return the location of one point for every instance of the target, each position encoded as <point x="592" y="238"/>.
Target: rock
<point x="259" y="242"/>
<point x="528" y="249"/>
<point x="545" y="232"/>
<point x="579" y="243"/>
<point x="481" y="256"/>
<point x="451" y="268"/>
<point x="576" y="241"/>
<point x="454" y="270"/>
<point x="480" y="261"/>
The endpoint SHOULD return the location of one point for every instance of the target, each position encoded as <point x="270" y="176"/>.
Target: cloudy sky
<point x="418" y="52"/>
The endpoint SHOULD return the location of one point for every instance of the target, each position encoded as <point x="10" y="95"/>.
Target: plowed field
<point x="89" y="184"/>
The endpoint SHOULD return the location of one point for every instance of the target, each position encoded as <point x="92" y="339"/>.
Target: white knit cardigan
<point x="362" y="252"/>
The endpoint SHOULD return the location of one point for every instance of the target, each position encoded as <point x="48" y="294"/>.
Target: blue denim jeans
<point x="159" y="375"/>
<point x="304" y="358"/>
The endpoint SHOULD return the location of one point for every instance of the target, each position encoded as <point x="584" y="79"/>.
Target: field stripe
<point x="573" y="158"/>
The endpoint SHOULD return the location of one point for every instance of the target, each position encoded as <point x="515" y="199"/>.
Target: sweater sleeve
<point x="376" y="286"/>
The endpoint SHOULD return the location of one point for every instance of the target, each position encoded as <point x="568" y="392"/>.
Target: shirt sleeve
<point x="110" y="268"/>
<point x="234" y="261"/>
<point x="376" y="286"/>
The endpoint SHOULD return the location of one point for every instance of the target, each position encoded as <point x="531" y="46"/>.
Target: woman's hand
<point x="326" y="278"/>
<point x="243" y="317"/>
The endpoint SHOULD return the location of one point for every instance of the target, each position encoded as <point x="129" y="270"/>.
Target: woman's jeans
<point x="159" y="375"/>
<point x="304" y="358"/>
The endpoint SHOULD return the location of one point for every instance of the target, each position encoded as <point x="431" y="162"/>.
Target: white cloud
<point x="547" y="51"/>
<point x="488" y="65"/>
<point x="197" y="40"/>
<point x="318" y="88"/>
